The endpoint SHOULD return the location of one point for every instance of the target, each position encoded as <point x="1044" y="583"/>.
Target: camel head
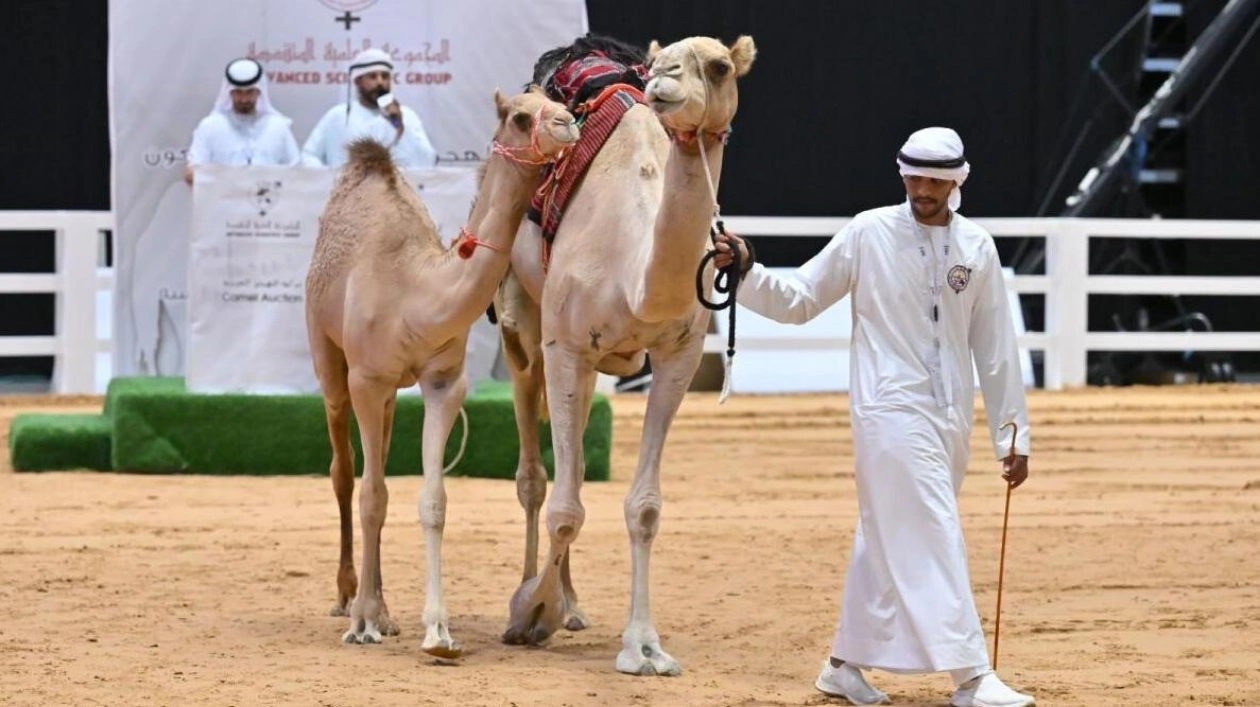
<point x="692" y="85"/>
<point x="533" y="129"/>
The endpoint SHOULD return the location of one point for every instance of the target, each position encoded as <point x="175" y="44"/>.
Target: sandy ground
<point x="1133" y="570"/>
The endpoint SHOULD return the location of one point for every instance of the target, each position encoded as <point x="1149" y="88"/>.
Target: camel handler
<point x="244" y="128"/>
<point x="927" y="296"/>
<point x="365" y="114"/>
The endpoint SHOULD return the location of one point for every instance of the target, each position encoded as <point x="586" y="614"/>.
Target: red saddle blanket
<point x="597" y="118"/>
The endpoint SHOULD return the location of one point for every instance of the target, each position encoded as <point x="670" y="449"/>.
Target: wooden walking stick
<point x="997" y="622"/>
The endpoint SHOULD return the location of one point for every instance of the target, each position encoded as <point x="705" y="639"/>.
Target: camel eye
<point x="719" y="68"/>
<point x="521" y="120"/>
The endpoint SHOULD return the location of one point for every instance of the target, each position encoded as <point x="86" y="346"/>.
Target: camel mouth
<point x="565" y="134"/>
<point x="663" y="106"/>
<point x="665" y="94"/>
<point x="565" y="130"/>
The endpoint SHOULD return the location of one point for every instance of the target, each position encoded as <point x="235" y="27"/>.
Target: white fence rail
<point x="79" y="277"/>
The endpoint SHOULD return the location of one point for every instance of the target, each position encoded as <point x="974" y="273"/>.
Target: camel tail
<point x="371" y="157"/>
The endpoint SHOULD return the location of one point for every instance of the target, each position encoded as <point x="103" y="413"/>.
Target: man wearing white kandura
<point x="927" y="294"/>
<point x="371" y="112"/>
<point x="244" y="127"/>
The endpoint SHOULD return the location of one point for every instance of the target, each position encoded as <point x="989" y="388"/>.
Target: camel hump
<point x="371" y="157"/>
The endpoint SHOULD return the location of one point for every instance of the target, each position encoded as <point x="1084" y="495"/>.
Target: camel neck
<point x="681" y="232"/>
<point x="501" y="202"/>
<point x="500" y="205"/>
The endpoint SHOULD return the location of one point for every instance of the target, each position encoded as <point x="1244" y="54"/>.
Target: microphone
<point x="384" y="102"/>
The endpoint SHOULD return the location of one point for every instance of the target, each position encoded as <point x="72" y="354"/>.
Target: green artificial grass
<point x="59" y="442"/>
<point x="154" y="425"/>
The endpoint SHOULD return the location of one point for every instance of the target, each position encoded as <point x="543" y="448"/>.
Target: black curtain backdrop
<point x="836" y="89"/>
<point x="834" y="92"/>
<point x="55" y="140"/>
<point x="1222" y="175"/>
<point x="1223" y="142"/>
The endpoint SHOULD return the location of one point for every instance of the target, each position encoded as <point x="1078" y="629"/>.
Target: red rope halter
<point x="532" y="154"/>
<point x="467" y="244"/>
<point x="689" y="137"/>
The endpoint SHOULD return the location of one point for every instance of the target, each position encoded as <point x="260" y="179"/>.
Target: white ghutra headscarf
<point x="936" y="153"/>
<point x="244" y="73"/>
<point x="365" y="62"/>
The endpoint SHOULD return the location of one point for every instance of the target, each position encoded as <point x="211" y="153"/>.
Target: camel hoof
<point x="388" y="626"/>
<point x="536" y="612"/>
<point x="340" y="609"/>
<point x="577" y="621"/>
<point x="529" y="632"/>
<point x="366" y="633"/>
<point x="445" y="649"/>
<point x="539" y="635"/>
<point x="647" y="662"/>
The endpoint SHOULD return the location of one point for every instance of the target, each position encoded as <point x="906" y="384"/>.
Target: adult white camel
<point x="617" y="284"/>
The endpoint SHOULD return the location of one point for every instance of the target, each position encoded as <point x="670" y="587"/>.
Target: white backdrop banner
<point x="253" y="231"/>
<point x="166" y="61"/>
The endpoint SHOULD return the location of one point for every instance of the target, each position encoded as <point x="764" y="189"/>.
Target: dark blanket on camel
<point x="598" y="78"/>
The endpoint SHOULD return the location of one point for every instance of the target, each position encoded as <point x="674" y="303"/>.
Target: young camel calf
<point x="388" y="306"/>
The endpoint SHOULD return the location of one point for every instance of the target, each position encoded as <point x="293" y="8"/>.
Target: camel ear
<point x="743" y="51"/>
<point x="501" y="104"/>
<point x="654" y="48"/>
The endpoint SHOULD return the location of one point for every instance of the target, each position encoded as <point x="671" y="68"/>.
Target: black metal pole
<point x="1101" y="178"/>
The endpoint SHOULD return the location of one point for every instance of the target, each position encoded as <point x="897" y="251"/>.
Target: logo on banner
<point x="348" y="8"/>
<point x="265" y="195"/>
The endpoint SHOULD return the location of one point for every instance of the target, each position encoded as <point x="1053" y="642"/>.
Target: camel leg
<point x="520" y="330"/>
<point x="387" y="625"/>
<point x="539" y="607"/>
<point x="672" y="371"/>
<point x="342" y="472"/>
<point x="370" y="398"/>
<point x="443" y="396"/>
<point x="574" y="619"/>
<point x="330" y="368"/>
<point x="531" y="474"/>
<point x="520" y="327"/>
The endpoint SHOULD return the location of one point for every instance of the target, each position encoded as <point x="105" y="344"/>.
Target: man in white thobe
<point x="927" y="295"/>
<point x="365" y="114"/>
<point x="244" y="128"/>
